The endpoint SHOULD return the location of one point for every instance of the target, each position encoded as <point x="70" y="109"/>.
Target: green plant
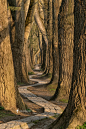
<point x="81" y="127"/>
<point x="29" y="110"/>
<point x="1" y="108"/>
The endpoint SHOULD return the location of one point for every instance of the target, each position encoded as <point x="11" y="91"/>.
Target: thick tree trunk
<point x="9" y="96"/>
<point x="66" y="34"/>
<point x="75" y="112"/>
<point x="20" y="50"/>
<point x="17" y="47"/>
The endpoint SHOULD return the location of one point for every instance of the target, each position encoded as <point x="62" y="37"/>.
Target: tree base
<point x="68" y="121"/>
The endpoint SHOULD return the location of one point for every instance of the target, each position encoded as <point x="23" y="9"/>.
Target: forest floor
<point x="39" y="91"/>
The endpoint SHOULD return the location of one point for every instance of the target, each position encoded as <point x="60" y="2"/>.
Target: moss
<point x="4" y="113"/>
<point x="19" y="83"/>
<point x="30" y="73"/>
<point x="63" y="100"/>
<point x="50" y="75"/>
<point x="52" y="89"/>
<point x="36" y="121"/>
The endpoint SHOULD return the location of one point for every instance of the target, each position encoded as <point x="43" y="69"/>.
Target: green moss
<point x="30" y="73"/>
<point x="36" y="121"/>
<point x="52" y="89"/>
<point x="50" y="75"/>
<point x="4" y="113"/>
<point x="19" y="83"/>
<point x="63" y="100"/>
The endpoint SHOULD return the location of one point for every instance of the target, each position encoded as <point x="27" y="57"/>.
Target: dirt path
<point x="40" y="120"/>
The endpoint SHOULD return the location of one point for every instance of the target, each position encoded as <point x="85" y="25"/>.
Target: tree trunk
<point x="66" y="32"/>
<point x="75" y="112"/>
<point x="9" y="96"/>
<point x="55" y="75"/>
<point x="49" y="32"/>
<point x="26" y="46"/>
<point x="44" y="53"/>
<point x="26" y="7"/>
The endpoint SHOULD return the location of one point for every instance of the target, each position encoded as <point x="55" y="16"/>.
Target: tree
<point x="75" y="112"/>
<point x="55" y="49"/>
<point x="9" y="96"/>
<point x="65" y="40"/>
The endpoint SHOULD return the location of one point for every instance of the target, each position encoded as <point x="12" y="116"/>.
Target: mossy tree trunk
<point x="75" y="112"/>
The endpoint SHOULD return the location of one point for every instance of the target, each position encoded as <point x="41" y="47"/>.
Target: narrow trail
<point x="50" y="109"/>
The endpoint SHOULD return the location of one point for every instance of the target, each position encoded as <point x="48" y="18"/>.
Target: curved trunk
<point x="75" y="112"/>
<point x="9" y="96"/>
<point x="66" y="35"/>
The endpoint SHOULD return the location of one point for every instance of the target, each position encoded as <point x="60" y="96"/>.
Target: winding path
<point x="50" y="109"/>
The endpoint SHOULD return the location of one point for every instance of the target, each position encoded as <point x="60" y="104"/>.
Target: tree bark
<point x="9" y="96"/>
<point x="75" y="112"/>
<point x="55" y="74"/>
<point x="66" y="36"/>
<point x="26" y="7"/>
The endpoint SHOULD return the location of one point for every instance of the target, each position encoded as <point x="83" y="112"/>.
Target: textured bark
<point x="75" y="112"/>
<point x="28" y="26"/>
<point x="26" y="46"/>
<point x="43" y="31"/>
<point x="49" y="32"/>
<point x="44" y="54"/>
<point x="40" y="46"/>
<point x="55" y="75"/>
<point x="18" y="46"/>
<point x="26" y="7"/>
<point x="40" y="23"/>
<point x="66" y="36"/>
<point x="9" y="96"/>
